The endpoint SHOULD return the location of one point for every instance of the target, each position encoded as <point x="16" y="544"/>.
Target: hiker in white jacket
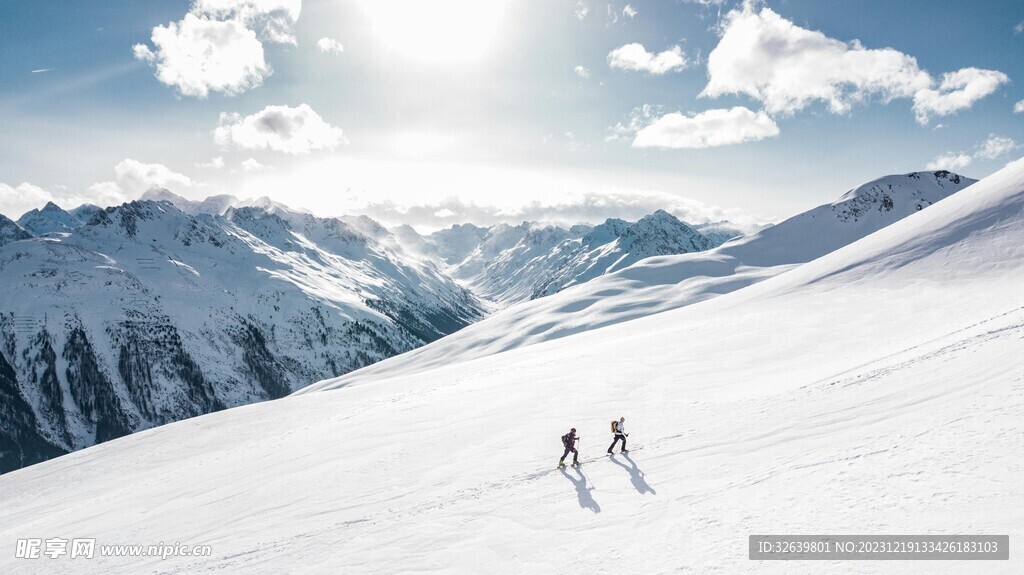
<point x="619" y="429"/>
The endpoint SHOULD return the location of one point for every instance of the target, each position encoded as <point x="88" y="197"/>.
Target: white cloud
<point x="707" y="129"/>
<point x="1018" y="107"/>
<point x="636" y="58"/>
<point x="1019" y="28"/>
<point x="581" y="9"/>
<point x="15" y="201"/>
<point x="135" y="178"/>
<point x="582" y="72"/>
<point x="330" y="46"/>
<point x="613" y="15"/>
<point x="950" y="161"/>
<point x="786" y="67"/>
<point x="958" y="91"/>
<point x="199" y="55"/>
<point x="252" y="164"/>
<point x="272" y="18"/>
<point x="132" y="179"/>
<point x="218" y="45"/>
<point x="280" y="128"/>
<point x="629" y="11"/>
<point x="994" y="147"/>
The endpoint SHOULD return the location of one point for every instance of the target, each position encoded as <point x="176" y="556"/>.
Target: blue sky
<point x="487" y="110"/>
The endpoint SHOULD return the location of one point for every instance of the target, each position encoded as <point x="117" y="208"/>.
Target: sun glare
<point x="442" y="31"/>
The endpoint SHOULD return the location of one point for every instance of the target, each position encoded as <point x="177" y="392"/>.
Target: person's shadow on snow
<point x="582" y="491"/>
<point x="635" y="475"/>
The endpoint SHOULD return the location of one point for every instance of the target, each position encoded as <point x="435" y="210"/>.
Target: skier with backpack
<point x="619" y="430"/>
<point x="569" y="442"/>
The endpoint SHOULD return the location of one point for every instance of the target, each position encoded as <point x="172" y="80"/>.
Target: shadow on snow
<point x="582" y="490"/>
<point x="635" y="475"/>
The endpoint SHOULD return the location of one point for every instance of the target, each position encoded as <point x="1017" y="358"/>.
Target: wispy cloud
<point x="582" y="72"/>
<point x="581" y="10"/>
<point x="41" y="70"/>
<point x="993" y="148"/>
<point x="950" y="161"/>
<point x="613" y="15"/>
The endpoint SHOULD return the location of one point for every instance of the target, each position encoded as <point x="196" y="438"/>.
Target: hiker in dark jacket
<point x="569" y="442"/>
<point x="619" y="429"/>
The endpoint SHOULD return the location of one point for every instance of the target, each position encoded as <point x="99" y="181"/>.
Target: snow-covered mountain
<point x="85" y="212"/>
<point x="148" y="315"/>
<point x="874" y="390"/>
<point x="10" y="231"/>
<point x="51" y="218"/>
<point x="723" y="231"/>
<point x="659" y="284"/>
<point x="102" y="303"/>
<point x="508" y="264"/>
<point x="214" y="205"/>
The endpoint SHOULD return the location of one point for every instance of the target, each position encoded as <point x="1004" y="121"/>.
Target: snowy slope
<point x="875" y="390"/>
<point x="659" y="284"/>
<point x="149" y="315"/>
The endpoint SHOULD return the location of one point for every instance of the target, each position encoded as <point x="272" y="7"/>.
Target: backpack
<point x="565" y="440"/>
<point x="615" y="426"/>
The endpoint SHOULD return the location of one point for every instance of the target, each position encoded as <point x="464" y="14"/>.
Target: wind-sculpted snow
<point x="148" y="315"/>
<point x="658" y="284"/>
<point x="875" y="390"/>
